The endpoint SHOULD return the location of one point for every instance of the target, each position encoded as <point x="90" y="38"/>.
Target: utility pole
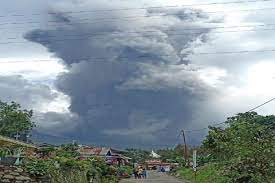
<point x="185" y="148"/>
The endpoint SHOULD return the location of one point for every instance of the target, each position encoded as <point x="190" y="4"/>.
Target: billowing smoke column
<point x="143" y="89"/>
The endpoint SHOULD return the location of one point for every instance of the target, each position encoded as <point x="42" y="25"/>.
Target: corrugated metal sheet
<point x="8" y="142"/>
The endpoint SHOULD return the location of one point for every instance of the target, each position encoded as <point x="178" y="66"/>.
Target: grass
<point x="206" y="174"/>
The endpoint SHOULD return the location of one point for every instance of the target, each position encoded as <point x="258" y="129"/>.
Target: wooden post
<point x="186" y="156"/>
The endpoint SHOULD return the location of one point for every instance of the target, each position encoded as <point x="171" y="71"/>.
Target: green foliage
<point x="68" y="151"/>
<point x="67" y="167"/>
<point x="37" y="167"/>
<point x="205" y="174"/>
<point x="110" y="179"/>
<point x="172" y="155"/>
<point x="46" y="150"/>
<point x="71" y="170"/>
<point x="68" y="176"/>
<point x="4" y="152"/>
<point x="138" y="155"/>
<point x="125" y="171"/>
<point x="13" y="119"/>
<point x="71" y="163"/>
<point x="245" y="148"/>
<point x="102" y="168"/>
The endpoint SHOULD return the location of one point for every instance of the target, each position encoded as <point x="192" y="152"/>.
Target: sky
<point x="134" y="73"/>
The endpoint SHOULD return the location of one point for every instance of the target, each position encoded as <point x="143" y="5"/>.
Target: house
<point x="156" y="164"/>
<point x="46" y="150"/>
<point x="112" y="156"/>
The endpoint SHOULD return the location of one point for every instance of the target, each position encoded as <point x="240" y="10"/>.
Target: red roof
<point x="89" y="151"/>
<point x="100" y="151"/>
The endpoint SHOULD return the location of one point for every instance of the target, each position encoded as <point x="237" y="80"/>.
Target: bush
<point x="71" y="170"/>
<point x="37" y="167"/>
<point x="125" y="171"/>
<point x="4" y="152"/>
<point x="245" y="149"/>
<point x="209" y="173"/>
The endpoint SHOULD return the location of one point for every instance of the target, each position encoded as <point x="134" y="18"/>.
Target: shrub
<point x="245" y="149"/>
<point x="37" y="167"/>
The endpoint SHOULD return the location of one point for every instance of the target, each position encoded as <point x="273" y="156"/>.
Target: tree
<point x="138" y="155"/>
<point x="245" y="148"/>
<point x="14" y="120"/>
<point x="68" y="151"/>
<point x="172" y="155"/>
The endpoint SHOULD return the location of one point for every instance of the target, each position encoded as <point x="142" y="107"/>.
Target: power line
<point x="261" y="105"/>
<point x="234" y="52"/>
<point x="125" y="18"/>
<point x="122" y="35"/>
<point x="177" y="140"/>
<point x="142" y="56"/>
<point x="217" y="124"/>
<point x="135" y="36"/>
<point x="140" y="8"/>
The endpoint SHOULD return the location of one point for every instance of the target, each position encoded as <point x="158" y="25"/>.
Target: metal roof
<point x="9" y="142"/>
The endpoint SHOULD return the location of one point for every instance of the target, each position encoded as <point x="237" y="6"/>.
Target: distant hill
<point x="39" y="137"/>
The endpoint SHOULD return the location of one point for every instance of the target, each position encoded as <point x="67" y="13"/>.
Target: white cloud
<point x="212" y="76"/>
<point x="255" y="86"/>
<point x="33" y="69"/>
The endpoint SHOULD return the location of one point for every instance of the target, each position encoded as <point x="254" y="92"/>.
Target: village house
<point x="112" y="156"/>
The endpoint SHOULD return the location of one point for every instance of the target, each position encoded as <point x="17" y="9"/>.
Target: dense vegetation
<point x="205" y="174"/>
<point x="243" y="152"/>
<point x="14" y="120"/>
<point x="138" y="155"/>
<point x="63" y="164"/>
<point x="60" y="164"/>
<point x="172" y="155"/>
<point x="71" y="170"/>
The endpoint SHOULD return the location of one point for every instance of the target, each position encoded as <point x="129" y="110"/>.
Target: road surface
<point x="154" y="177"/>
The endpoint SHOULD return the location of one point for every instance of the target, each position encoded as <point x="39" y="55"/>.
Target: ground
<point x="154" y="177"/>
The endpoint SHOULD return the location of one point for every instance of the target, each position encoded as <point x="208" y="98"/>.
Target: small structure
<point x="46" y="150"/>
<point x="9" y="142"/>
<point x="14" y="150"/>
<point x="158" y="164"/>
<point x="111" y="155"/>
<point x="154" y="155"/>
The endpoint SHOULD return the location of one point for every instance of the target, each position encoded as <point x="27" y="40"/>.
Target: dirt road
<point x="155" y="177"/>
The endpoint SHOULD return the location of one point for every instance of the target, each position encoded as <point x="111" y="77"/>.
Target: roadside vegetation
<point x="14" y="120"/>
<point x="70" y="170"/>
<point x="57" y="164"/>
<point x="242" y="152"/>
<point x="208" y="173"/>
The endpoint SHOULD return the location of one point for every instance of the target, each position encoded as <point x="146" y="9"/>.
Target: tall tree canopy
<point x="14" y="120"/>
<point x="245" y="148"/>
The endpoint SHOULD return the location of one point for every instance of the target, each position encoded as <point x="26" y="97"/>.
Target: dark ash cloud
<point x="29" y="95"/>
<point x="128" y="97"/>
